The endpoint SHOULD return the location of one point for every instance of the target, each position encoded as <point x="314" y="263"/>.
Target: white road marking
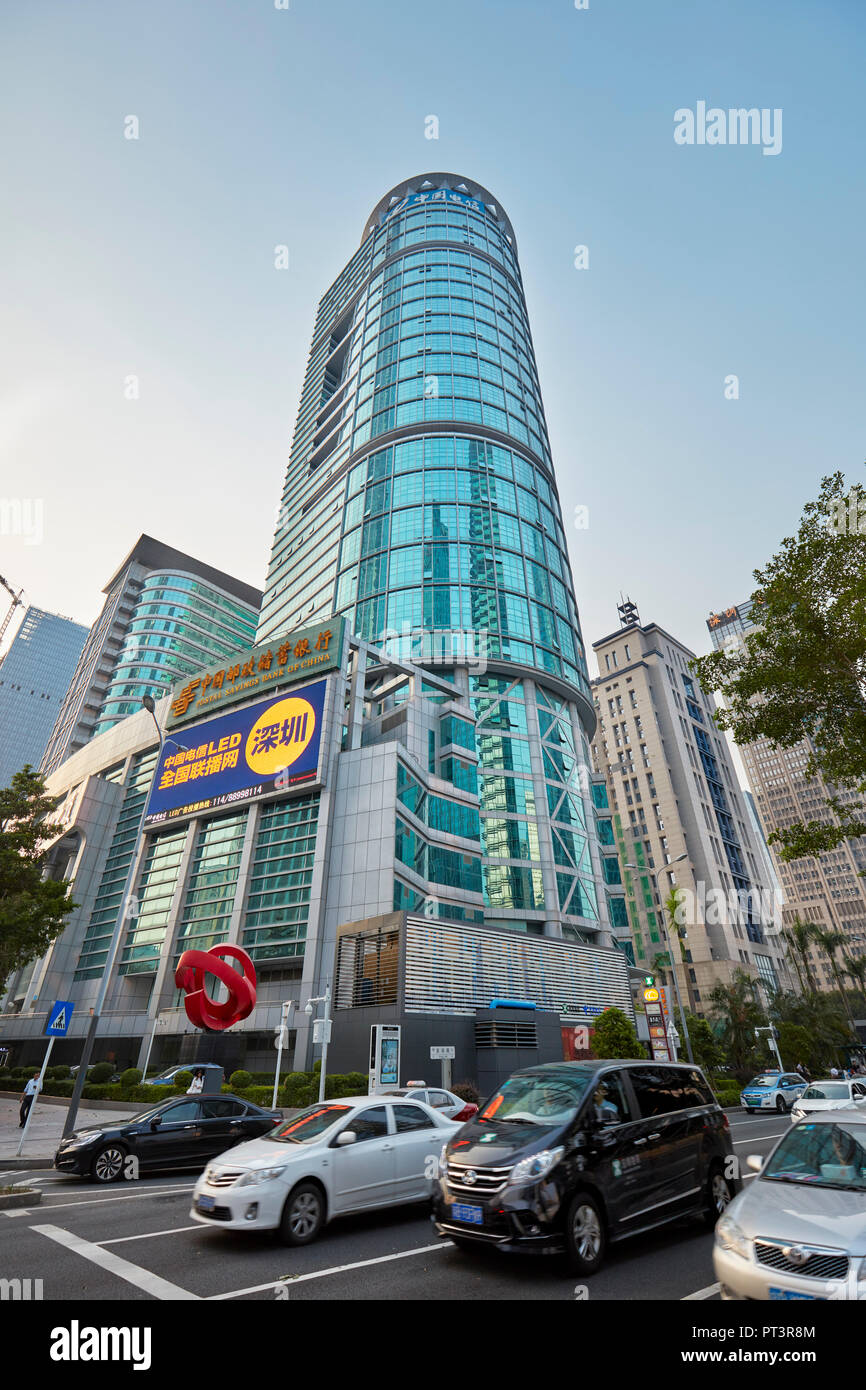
<point x="759" y="1138"/>
<point x="130" y="1197"/>
<point x="123" y="1269"/>
<point x="19" y="1211"/>
<point x="147" y="1235"/>
<point x="702" y="1293"/>
<point x="324" y="1273"/>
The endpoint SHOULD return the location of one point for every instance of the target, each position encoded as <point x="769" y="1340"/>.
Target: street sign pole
<point x="281" y="1039"/>
<point x="36" y="1097"/>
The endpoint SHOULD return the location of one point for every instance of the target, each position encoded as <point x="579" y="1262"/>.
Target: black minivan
<point x="571" y="1155"/>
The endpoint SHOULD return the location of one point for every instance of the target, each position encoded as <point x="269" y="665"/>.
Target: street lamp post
<point x="656" y="873"/>
<point x="116" y="937"/>
<point x="285" y="1014"/>
<point x="326" y="1033"/>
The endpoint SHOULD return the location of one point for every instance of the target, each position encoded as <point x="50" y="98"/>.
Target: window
<point x="440" y="1099"/>
<point x="608" y="1105"/>
<point x="410" y="1117"/>
<point x="186" y="1111"/>
<point x="658" y="1090"/>
<point x="222" y="1109"/>
<point x="370" y="1124"/>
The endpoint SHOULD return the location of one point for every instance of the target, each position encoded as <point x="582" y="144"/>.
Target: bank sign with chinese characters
<point x="258" y="671"/>
<point x="271" y="746"/>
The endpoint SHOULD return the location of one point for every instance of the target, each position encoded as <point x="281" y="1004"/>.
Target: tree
<point x="830" y="941"/>
<point x="800" y="936"/>
<point x="856" y="972"/>
<point x="706" y="1048"/>
<point x="33" y="910"/>
<point x="821" y="1016"/>
<point x="796" y="1045"/>
<point x="802" y="672"/>
<point x="738" y="1014"/>
<point x="613" y="1035"/>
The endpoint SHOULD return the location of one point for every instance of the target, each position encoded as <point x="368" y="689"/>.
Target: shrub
<point x="240" y="1080"/>
<point x="130" y="1078"/>
<point x="614" y="1035"/>
<point x="260" y="1095"/>
<point x="468" y="1091"/>
<point x="100" y="1074"/>
<point x="295" y="1088"/>
<point x="181" y="1082"/>
<point x="59" y="1073"/>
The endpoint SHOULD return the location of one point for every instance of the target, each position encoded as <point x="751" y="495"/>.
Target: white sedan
<point x="332" y="1159"/>
<point x="829" y="1095"/>
<point x="449" y="1105"/>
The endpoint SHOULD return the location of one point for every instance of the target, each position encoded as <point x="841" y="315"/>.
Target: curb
<point x="129" y="1105"/>
<point x="32" y="1198"/>
<point x="10" y="1165"/>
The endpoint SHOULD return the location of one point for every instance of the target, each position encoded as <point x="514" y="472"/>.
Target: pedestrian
<point x="834" y="1071"/>
<point x="31" y="1090"/>
<point x="196" y="1086"/>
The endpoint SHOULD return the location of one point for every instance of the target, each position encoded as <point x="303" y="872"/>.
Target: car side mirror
<point x="156" y="1122"/>
<point x="348" y="1136"/>
<point x="755" y="1162"/>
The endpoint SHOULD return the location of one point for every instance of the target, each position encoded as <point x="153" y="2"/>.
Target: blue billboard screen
<point x="272" y="745"/>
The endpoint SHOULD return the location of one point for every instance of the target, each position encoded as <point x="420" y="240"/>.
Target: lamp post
<point x="656" y="873"/>
<point x="325" y="1033"/>
<point x="116" y="936"/>
<point x="158" y="1020"/>
<point x="285" y="1014"/>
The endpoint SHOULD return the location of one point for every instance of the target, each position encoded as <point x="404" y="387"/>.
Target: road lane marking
<point x="147" y="1235"/>
<point x="324" y="1273"/>
<point x="759" y="1138"/>
<point x="130" y="1197"/>
<point x="19" y="1211"/>
<point x="702" y="1293"/>
<point x="123" y="1269"/>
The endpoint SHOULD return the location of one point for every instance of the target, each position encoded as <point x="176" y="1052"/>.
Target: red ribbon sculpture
<point x="203" y="1011"/>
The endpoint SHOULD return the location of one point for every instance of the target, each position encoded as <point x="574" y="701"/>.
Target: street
<point x="135" y="1241"/>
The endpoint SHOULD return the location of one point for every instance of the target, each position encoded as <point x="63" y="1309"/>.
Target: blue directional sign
<point x="59" y="1018"/>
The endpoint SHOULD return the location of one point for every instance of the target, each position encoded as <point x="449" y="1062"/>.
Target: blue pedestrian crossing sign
<point x="59" y="1018"/>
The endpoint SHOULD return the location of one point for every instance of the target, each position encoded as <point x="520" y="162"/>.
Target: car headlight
<point x="443" y="1161"/>
<point x="861" y="1278"/>
<point x="730" y="1237"/>
<point x="77" y="1141"/>
<point x="538" y="1166"/>
<point x="256" y="1175"/>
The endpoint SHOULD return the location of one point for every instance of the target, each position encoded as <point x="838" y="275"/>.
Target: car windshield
<point x="827" y="1090"/>
<point x="821" y="1156"/>
<point x="769" y="1081"/>
<point x="309" y="1125"/>
<point x="539" y="1098"/>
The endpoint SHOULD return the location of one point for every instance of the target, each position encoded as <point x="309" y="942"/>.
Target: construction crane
<point x="16" y="603"/>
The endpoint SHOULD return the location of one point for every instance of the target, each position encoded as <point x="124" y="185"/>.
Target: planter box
<point x="25" y="1198"/>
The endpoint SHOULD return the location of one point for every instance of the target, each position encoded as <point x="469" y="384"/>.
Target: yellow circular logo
<point x="280" y="735"/>
<point x="650" y="996"/>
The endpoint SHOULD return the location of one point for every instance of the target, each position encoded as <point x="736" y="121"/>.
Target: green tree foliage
<point x="803" y="671"/>
<point x="796" y="1045"/>
<point x="706" y="1048"/>
<point x="737" y="1014"/>
<point x="613" y="1035"/>
<point x="823" y="1018"/>
<point x="33" y="911"/>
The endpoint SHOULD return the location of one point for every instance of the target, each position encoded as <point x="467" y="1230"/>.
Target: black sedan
<point x="183" y="1132"/>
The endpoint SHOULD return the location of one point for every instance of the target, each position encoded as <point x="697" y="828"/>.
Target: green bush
<point x="181" y="1082"/>
<point x="240" y="1080"/>
<point x="58" y="1073"/>
<point x="130" y="1078"/>
<point x="100" y="1074"/>
<point x="467" y="1090"/>
<point x="295" y="1088"/>
<point x="259" y="1095"/>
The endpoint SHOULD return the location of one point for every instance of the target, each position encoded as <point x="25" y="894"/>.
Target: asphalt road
<point x="136" y="1241"/>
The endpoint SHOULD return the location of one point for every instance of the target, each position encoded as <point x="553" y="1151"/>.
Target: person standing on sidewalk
<point x="31" y="1090"/>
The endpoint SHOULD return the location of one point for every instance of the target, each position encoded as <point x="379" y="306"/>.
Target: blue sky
<point x="261" y="126"/>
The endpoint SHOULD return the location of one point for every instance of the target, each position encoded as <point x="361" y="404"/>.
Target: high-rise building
<point x="673" y="790"/>
<point x="826" y="889"/>
<point x="443" y="851"/>
<point x="34" y="678"/>
<point x="165" y="615"/>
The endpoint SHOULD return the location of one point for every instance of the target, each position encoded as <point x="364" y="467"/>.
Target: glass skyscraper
<point x="34" y="677"/>
<point x="420" y="502"/>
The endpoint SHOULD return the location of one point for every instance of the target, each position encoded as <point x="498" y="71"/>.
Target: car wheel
<point x="108" y="1163"/>
<point x="303" y="1215"/>
<point x="781" y="1105"/>
<point x="720" y="1194"/>
<point x="584" y="1234"/>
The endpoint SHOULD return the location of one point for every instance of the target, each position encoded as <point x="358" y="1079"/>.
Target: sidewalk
<point x="45" y="1130"/>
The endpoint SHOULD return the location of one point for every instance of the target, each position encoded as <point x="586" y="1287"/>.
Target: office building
<point x="165" y="615"/>
<point x="443" y="851"/>
<point x="826" y="889"/>
<point x="673" y="790"/>
<point x="34" y="678"/>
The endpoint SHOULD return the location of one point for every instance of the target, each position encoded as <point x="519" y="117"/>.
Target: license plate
<point x="470" y="1216"/>
<point x="206" y="1203"/>
<point x="786" y="1294"/>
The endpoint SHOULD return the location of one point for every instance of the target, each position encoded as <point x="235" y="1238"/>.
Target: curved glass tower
<point x="421" y="503"/>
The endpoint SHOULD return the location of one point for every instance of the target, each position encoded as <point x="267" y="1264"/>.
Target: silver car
<point x="798" y="1231"/>
<point x="829" y="1095"/>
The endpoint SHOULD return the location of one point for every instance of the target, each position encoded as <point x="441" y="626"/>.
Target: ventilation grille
<point x="506" y="1033"/>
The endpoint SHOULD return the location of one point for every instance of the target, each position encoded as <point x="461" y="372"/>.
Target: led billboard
<point x="271" y="745"/>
